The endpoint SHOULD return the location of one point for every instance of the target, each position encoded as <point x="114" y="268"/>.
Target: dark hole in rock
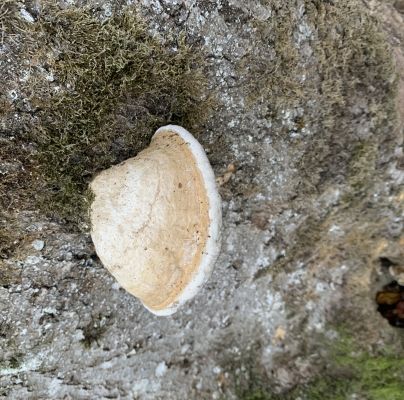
<point x="386" y="262"/>
<point x="390" y="302"/>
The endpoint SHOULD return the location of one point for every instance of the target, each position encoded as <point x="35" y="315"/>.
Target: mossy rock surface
<point x="96" y="90"/>
<point x="298" y="105"/>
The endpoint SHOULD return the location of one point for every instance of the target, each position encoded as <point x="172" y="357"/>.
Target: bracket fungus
<point x="156" y="220"/>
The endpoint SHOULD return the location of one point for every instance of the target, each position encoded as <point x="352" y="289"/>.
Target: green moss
<point x="373" y="375"/>
<point x="351" y="371"/>
<point x="124" y="84"/>
<point x="94" y="330"/>
<point x="350" y="82"/>
<point x="15" y="362"/>
<point x="256" y="395"/>
<point x="9" y="20"/>
<point x="97" y="91"/>
<point x="355" y="371"/>
<point x="393" y="392"/>
<point x="12" y="363"/>
<point x="8" y="275"/>
<point x="362" y="166"/>
<point x="343" y="61"/>
<point x="9" y="240"/>
<point x="276" y="79"/>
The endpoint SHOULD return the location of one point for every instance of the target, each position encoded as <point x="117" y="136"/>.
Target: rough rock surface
<point x="312" y="214"/>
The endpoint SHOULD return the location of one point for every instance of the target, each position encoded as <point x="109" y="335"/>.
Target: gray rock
<point x="312" y="207"/>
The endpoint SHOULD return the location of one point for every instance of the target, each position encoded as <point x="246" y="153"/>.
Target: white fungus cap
<point x="156" y="220"/>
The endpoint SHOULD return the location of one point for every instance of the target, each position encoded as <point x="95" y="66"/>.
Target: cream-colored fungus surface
<point x="156" y="220"/>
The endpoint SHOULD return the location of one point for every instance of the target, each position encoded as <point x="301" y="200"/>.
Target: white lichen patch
<point x="161" y="369"/>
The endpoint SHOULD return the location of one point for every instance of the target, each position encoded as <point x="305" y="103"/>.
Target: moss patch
<point x="355" y="371"/>
<point x="331" y="57"/>
<point x="97" y="90"/>
<point x="351" y="371"/>
<point x="13" y="363"/>
<point x="8" y="276"/>
<point x="94" y="330"/>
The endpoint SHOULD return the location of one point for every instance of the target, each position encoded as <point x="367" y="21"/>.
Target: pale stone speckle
<point x="161" y="369"/>
<point x="38" y="244"/>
